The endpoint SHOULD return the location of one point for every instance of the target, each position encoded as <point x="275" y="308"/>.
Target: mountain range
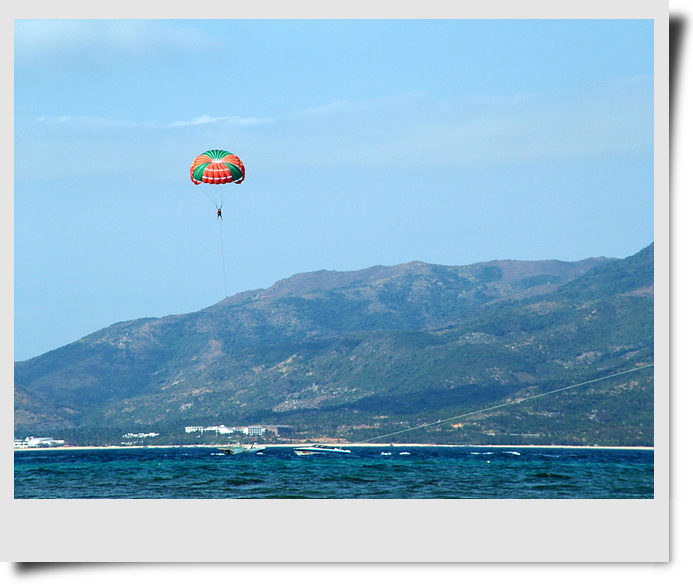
<point x="360" y="354"/>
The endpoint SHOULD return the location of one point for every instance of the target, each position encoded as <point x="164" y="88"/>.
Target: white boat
<point x="238" y="449"/>
<point x="317" y="449"/>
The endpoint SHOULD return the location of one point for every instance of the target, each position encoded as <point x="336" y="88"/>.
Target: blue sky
<point x="365" y="143"/>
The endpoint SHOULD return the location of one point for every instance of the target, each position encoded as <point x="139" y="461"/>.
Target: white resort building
<point x="216" y="429"/>
<point x="33" y="442"/>
<point x="248" y="430"/>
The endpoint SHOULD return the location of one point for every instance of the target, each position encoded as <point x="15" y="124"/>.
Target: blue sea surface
<point x="366" y="473"/>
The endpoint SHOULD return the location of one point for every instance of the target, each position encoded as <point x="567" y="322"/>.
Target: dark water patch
<point x="204" y="482"/>
<point x="547" y="475"/>
<point x="159" y="478"/>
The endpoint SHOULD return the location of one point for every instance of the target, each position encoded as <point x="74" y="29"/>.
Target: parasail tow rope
<point x="223" y="262"/>
<point x="503" y="405"/>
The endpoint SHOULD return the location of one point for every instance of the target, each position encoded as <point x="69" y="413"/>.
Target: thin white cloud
<point x="97" y="121"/>
<point x="103" y="122"/>
<point x="225" y="120"/>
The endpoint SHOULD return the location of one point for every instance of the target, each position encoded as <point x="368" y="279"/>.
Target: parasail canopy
<point x="217" y="166"/>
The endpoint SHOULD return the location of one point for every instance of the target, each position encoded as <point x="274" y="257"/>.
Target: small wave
<point x="481" y="453"/>
<point x="512" y="452"/>
<point x="357" y="480"/>
<point x="546" y="475"/>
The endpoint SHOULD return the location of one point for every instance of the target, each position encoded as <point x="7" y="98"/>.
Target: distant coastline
<point x="354" y="444"/>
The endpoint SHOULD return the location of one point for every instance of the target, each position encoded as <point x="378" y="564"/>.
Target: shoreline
<point x="354" y="444"/>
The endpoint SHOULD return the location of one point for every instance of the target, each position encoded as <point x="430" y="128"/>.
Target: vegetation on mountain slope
<point x="361" y="354"/>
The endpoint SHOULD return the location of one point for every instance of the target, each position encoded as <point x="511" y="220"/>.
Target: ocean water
<point x="368" y="473"/>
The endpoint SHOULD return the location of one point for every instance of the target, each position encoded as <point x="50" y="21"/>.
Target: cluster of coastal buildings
<point x="33" y="442"/>
<point x="132" y="438"/>
<point x="258" y="430"/>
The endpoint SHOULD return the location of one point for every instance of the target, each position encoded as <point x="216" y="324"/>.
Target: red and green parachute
<point x="217" y="167"/>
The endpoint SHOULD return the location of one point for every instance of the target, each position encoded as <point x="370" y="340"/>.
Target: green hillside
<point x="360" y="354"/>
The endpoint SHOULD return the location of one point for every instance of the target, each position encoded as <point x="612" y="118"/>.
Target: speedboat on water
<point x="317" y="449"/>
<point x="239" y="449"/>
